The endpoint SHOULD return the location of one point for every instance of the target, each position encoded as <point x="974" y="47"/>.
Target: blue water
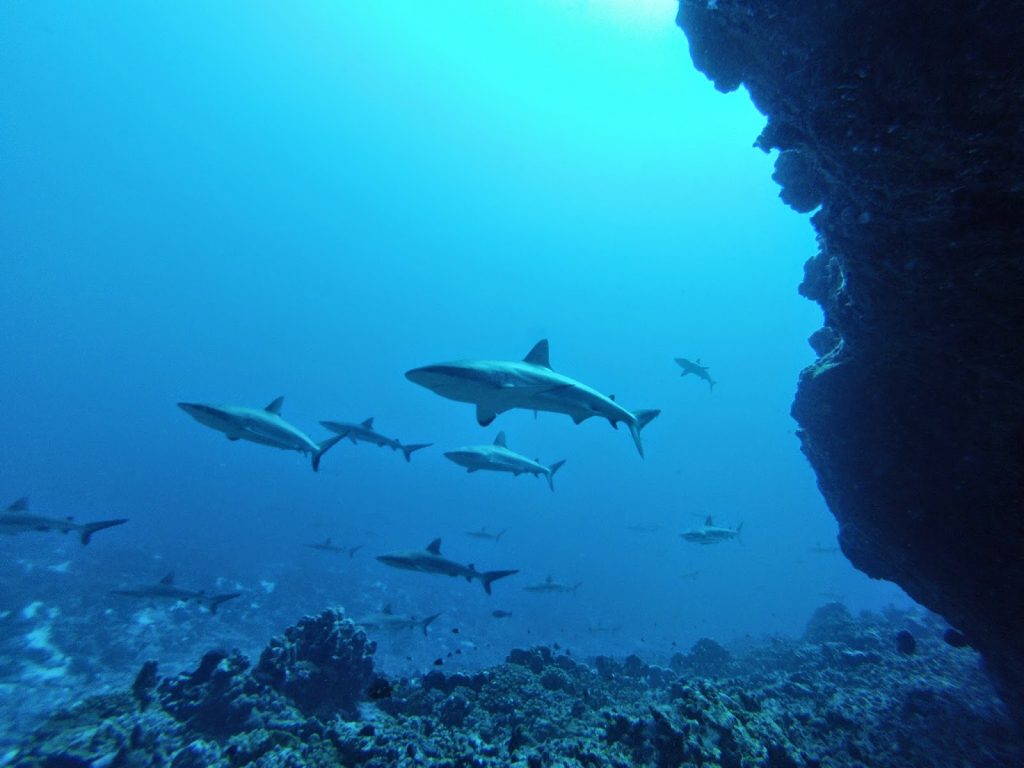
<point x="230" y="202"/>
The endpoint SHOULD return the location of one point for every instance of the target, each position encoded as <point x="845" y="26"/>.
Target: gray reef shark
<point x="698" y="370"/>
<point x="483" y="533"/>
<point x="327" y="546"/>
<point x="365" y="433"/>
<point x="550" y="585"/>
<point x="709" y="533"/>
<point x="264" y="426"/>
<point x="499" y="458"/>
<point x="388" y="621"/>
<point x="496" y="386"/>
<point x="430" y="560"/>
<point x="165" y="590"/>
<point x="16" y="518"/>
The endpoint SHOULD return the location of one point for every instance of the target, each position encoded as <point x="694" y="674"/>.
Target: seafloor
<point x="842" y="695"/>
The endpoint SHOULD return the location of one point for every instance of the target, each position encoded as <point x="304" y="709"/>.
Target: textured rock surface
<point x="842" y="697"/>
<point x="906" y="125"/>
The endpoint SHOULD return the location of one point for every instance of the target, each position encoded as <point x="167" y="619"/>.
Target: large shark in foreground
<point x="165" y="590"/>
<point x="16" y="518"/>
<point x="499" y="458"/>
<point x="709" y="533"/>
<point x="365" y="433"/>
<point x="430" y="560"/>
<point x="259" y="425"/>
<point x="496" y="386"/>
<point x="388" y="621"/>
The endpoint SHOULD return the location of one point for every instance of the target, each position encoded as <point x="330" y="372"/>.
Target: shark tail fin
<point x="426" y="622"/>
<point x="576" y="586"/>
<point x="90" y="528"/>
<point x="551" y="473"/>
<point x="739" y="530"/>
<point x="489" y="577"/>
<point x="711" y="384"/>
<point x="215" y="600"/>
<point x="323" y="448"/>
<point x="407" y="450"/>
<point x="497" y="536"/>
<point x="642" y="419"/>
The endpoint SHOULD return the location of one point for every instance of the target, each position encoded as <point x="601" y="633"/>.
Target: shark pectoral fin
<point x="614" y="423"/>
<point x="485" y="415"/>
<point x="580" y="418"/>
<point x="232" y="437"/>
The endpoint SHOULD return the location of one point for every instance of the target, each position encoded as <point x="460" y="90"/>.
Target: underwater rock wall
<point x="904" y="122"/>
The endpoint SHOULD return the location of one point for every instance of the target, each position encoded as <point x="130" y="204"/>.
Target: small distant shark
<point x="165" y="590"/>
<point x="499" y="458"/>
<point x="264" y="426"/>
<point x="709" y="533"/>
<point x="16" y="519"/>
<point x="430" y="560"/>
<point x="700" y="371"/>
<point x="817" y="549"/>
<point x="388" y="621"/>
<point x="483" y="533"/>
<point x="327" y="546"/>
<point x="365" y="433"/>
<point x="500" y="614"/>
<point x="496" y="386"/>
<point x="550" y="585"/>
<point x="689" y="574"/>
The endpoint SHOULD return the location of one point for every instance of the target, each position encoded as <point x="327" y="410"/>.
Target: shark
<point x="499" y="458"/>
<point x="365" y="433"/>
<point x="496" y="386"/>
<point x="16" y="518"/>
<point x="165" y="590"/>
<point x="259" y="425"/>
<point x="695" y="367"/>
<point x="550" y="585"/>
<point x="327" y="546"/>
<point x="817" y="549"/>
<point x="430" y="560"/>
<point x="486" y="535"/>
<point x="709" y="533"/>
<point x="388" y="621"/>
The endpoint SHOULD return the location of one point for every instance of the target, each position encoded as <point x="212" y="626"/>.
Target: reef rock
<point x="322" y="664"/>
<point x="903" y="124"/>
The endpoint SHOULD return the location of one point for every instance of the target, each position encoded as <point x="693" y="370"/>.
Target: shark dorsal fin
<point x="548" y="580"/>
<point x="327" y="542"/>
<point x="168" y="579"/>
<point x="20" y="505"/>
<point x="708" y="521"/>
<point x="387" y="609"/>
<point x="368" y="423"/>
<point x="434" y="547"/>
<point x="539" y="355"/>
<point x="275" y="406"/>
<point x="500" y="439"/>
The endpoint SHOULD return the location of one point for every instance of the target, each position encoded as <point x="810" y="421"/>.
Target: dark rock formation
<point x="904" y="121"/>
<point x="323" y="664"/>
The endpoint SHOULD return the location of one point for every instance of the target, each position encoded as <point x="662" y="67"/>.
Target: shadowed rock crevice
<point x="905" y="124"/>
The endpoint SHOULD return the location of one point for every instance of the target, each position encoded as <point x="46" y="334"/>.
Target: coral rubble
<point x="841" y="696"/>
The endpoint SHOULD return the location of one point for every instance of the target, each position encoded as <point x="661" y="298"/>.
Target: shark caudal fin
<point x="642" y="419"/>
<point x="551" y="473"/>
<point x="214" y="600"/>
<point x="426" y="622"/>
<point x="489" y="577"/>
<point x="407" y="450"/>
<point x="323" y="448"/>
<point x="576" y="586"/>
<point x="89" y="529"/>
<point x="497" y="536"/>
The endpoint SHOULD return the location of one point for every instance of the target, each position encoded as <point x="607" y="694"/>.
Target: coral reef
<point x="905" y="126"/>
<point x="842" y="696"/>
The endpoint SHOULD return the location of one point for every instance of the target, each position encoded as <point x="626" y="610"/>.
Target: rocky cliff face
<point x="904" y="122"/>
